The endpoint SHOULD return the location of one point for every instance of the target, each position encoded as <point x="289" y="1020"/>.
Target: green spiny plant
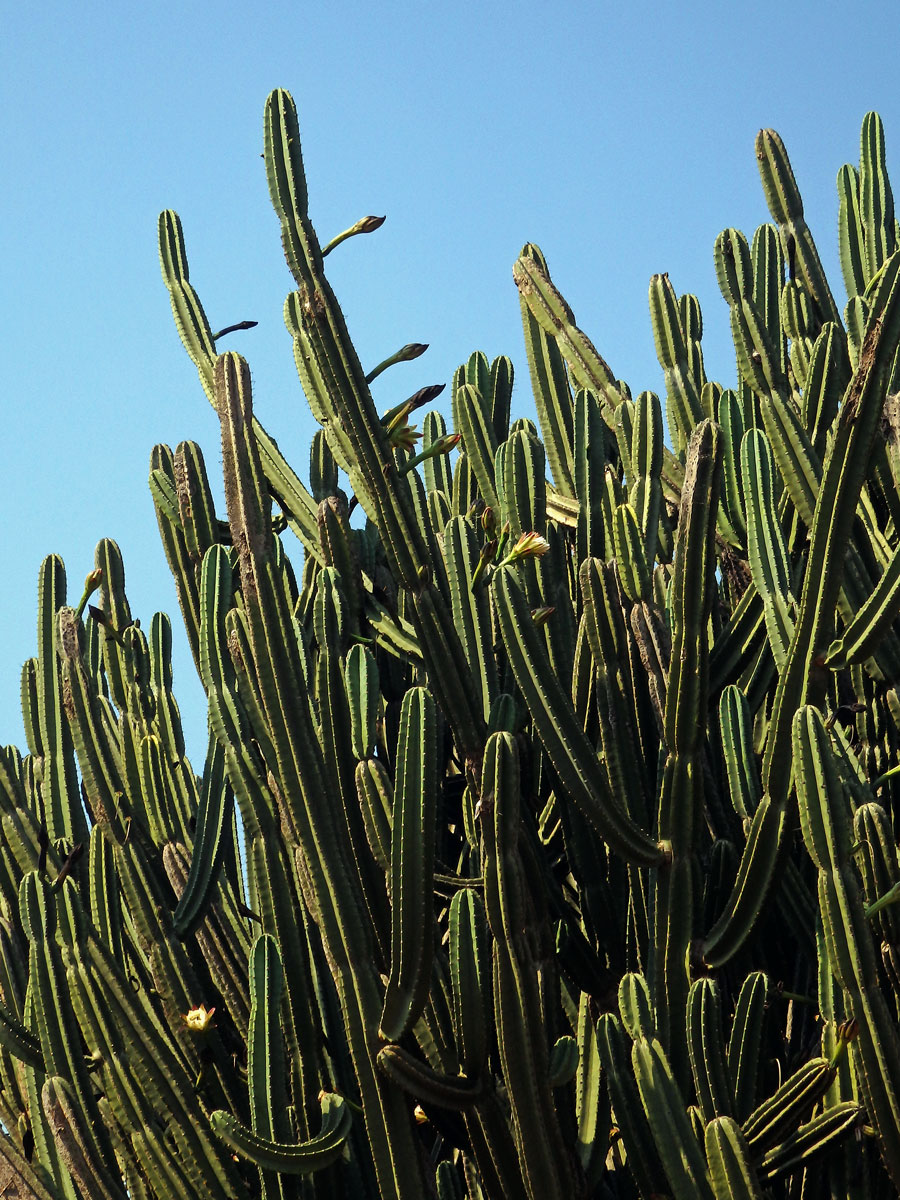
<point x="490" y="884"/>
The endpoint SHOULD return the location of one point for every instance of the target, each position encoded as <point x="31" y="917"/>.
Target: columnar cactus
<point x="490" y="884"/>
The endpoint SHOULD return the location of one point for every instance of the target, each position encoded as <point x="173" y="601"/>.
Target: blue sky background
<point x="617" y="137"/>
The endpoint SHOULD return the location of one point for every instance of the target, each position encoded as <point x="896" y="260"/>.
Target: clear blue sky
<point x="619" y="137"/>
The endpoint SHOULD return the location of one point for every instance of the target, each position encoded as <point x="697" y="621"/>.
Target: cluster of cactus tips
<point x="545" y="844"/>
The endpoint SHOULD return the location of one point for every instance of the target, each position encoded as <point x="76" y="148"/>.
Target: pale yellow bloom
<point x="529" y="545"/>
<point x="198" y="1019"/>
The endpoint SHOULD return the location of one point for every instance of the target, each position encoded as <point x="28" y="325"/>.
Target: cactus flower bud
<point x="443" y="445"/>
<point x="488" y="553"/>
<point x="91" y="583"/>
<point x="363" y="225"/>
<point x="542" y="615"/>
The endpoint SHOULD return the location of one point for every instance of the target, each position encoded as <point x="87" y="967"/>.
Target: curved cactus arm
<point x="213" y="819"/>
<point x="425" y="1083"/>
<point x="550" y="387"/>
<point x="785" y="1110"/>
<point x="574" y="759"/>
<point x="554" y="316"/>
<point x="872" y="622"/>
<point x="587" y="367"/>
<point x="20" y="1041"/>
<point x="190" y="319"/>
<point x="816" y="1138"/>
<point x="196" y="336"/>
<point x="301" y="1158"/>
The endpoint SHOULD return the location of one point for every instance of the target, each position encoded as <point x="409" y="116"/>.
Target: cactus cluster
<point x="545" y="842"/>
